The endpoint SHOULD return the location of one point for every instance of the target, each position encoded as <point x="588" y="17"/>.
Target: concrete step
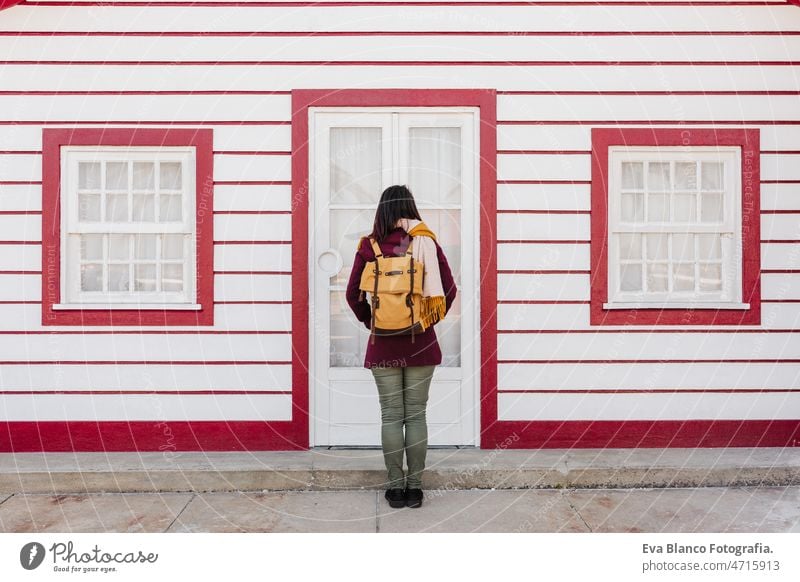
<point x="325" y="469"/>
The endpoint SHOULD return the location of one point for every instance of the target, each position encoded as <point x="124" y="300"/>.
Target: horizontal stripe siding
<point x="632" y="376"/>
<point x="664" y="347"/>
<point x="269" y="175"/>
<point x="227" y="258"/>
<point x="441" y="48"/>
<point x="141" y="376"/>
<point x="600" y="407"/>
<point x="285" y="78"/>
<point x="227" y="317"/>
<point x="132" y="407"/>
<point x="280" y="3"/>
<point x="510" y="108"/>
<point x="150" y="348"/>
<point x="398" y="17"/>
<point x="517" y="226"/>
<point x="576" y="317"/>
<point x="626" y="66"/>
<point x="560" y="287"/>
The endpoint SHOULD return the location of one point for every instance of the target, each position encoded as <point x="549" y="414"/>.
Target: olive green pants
<point x="403" y="394"/>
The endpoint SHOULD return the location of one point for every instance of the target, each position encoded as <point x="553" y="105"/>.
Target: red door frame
<point x="485" y="100"/>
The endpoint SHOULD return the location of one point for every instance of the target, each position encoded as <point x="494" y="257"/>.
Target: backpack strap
<point x="375" y="248"/>
<point x="375" y="300"/>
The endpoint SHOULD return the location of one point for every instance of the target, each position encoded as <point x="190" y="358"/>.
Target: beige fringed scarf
<point x="423" y="249"/>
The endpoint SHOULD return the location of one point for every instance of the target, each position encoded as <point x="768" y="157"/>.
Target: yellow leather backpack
<point x="395" y="288"/>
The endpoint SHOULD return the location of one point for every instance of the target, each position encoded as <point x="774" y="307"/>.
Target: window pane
<point x="91" y="247"/>
<point x="711" y="207"/>
<point x="119" y="247"/>
<point x="685" y="207"/>
<point x="119" y="277"/>
<point x="145" y="277"/>
<point x="435" y="159"/>
<point x="712" y="176"/>
<point x="657" y="276"/>
<point x="92" y="277"/>
<point x="89" y="175"/>
<point x="683" y="277"/>
<point x="633" y="175"/>
<point x="116" y="175"/>
<point x="172" y="246"/>
<point x="117" y="208"/>
<point x="356" y="164"/>
<point x="171" y="177"/>
<point x="144" y="176"/>
<point x="658" y="207"/>
<point x="633" y="207"/>
<point x="657" y="246"/>
<point x="630" y="246"/>
<point x="145" y="246"/>
<point x="172" y="277"/>
<point x="709" y="246"/>
<point x="682" y="247"/>
<point x="658" y="176"/>
<point x="89" y="207"/>
<point x="169" y="208"/>
<point x="685" y="175"/>
<point x="710" y="276"/>
<point x="144" y="208"/>
<point x="631" y="277"/>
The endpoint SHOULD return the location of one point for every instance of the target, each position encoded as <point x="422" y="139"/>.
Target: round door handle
<point x="330" y="261"/>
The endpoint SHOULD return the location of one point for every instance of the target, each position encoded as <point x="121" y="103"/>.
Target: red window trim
<point x="52" y="140"/>
<point x="748" y="140"/>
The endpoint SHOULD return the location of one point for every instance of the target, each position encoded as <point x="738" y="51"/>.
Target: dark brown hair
<point x="396" y="202"/>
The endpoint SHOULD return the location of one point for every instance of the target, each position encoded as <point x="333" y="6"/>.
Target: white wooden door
<point x="354" y="154"/>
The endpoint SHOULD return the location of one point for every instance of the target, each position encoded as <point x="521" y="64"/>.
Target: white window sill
<point x="675" y="305"/>
<point x="130" y="306"/>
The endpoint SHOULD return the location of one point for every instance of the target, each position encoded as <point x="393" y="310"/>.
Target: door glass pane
<point x="434" y="174"/>
<point x="356" y="154"/>
<point x="348" y="335"/>
<point x="347" y="226"/>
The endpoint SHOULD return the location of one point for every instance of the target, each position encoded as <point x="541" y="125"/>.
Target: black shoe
<point x="413" y="497"/>
<point x="396" y="497"/>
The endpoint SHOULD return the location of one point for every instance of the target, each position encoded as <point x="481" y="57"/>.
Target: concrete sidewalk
<point x="670" y="510"/>
<point x="467" y="490"/>
<point x="322" y="469"/>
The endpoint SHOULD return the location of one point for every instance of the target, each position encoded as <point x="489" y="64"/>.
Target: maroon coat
<point x="397" y="351"/>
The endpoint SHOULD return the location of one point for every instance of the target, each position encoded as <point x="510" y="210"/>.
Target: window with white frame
<point x="128" y="227"/>
<point x="674" y="227"/>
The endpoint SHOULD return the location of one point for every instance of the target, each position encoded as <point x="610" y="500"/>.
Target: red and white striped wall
<point x="558" y="68"/>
